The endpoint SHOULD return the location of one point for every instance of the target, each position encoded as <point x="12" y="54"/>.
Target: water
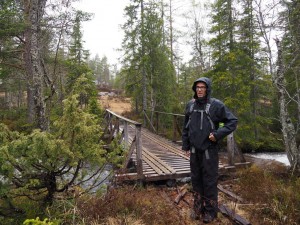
<point x="278" y="156"/>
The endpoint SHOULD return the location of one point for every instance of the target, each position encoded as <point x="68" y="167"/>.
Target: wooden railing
<point x="154" y="123"/>
<point x="232" y="147"/>
<point x="113" y="128"/>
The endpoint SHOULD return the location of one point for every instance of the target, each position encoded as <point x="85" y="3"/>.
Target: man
<point x="200" y="136"/>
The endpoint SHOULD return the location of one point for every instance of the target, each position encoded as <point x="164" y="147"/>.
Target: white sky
<point x="103" y="34"/>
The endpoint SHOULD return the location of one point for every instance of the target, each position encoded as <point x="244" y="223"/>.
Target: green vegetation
<point x="51" y="155"/>
<point x="37" y="221"/>
<point x="273" y="192"/>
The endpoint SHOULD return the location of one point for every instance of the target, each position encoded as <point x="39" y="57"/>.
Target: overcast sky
<point x="103" y="35"/>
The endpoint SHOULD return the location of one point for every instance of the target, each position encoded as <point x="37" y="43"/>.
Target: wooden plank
<point x="183" y="190"/>
<point x="152" y="177"/>
<point x="132" y="147"/>
<point x="232" y="215"/>
<point x="165" y="167"/>
<point x="153" y="166"/>
<point x="138" y="142"/>
<point x="161" y="162"/>
<point x="169" y="147"/>
<point x="229" y="193"/>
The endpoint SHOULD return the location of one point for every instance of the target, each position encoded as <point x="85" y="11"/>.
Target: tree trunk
<point x="144" y="78"/>
<point x="171" y="33"/>
<point x="30" y="103"/>
<point x="34" y="63"/>
<point x="230" y="149"/>
<point x="288" y="129"/>
<point x="51" y="186"/>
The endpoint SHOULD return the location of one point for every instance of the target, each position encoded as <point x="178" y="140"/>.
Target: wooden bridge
<point x="150" y="157"/>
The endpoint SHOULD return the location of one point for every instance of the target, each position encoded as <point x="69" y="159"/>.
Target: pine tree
<point x="147" y="58"/>
<point x="237" y="73"/>
<point x="255" y="79"/>
<point x="77" y="62"/>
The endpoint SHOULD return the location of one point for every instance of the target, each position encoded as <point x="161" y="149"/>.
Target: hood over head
<point x="205" y="80"/>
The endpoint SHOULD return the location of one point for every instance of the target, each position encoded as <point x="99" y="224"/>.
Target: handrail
<point x="174" y="114"/>
<point x="138" y="140"/>
<point x="123" y="118"/>
<point x="176" y="128"/>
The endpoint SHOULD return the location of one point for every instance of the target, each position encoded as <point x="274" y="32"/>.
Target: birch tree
<point x="285" y="72"/>
<point x="288" y="128"/>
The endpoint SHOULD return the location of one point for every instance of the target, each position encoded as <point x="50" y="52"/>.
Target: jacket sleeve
<point x="225" y="116"/>
<point x="185" y="130"/>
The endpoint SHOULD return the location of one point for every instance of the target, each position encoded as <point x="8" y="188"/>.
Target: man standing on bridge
<point x="200" y="136"/>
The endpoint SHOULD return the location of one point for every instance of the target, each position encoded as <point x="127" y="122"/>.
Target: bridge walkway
<point x="162" y="159"/>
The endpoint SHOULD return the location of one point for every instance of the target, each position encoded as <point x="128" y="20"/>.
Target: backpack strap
<point x="207" y="107"/>
<point x="191" y="110"/>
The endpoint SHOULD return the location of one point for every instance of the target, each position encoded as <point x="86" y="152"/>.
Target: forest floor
<point x="228" y="180"/>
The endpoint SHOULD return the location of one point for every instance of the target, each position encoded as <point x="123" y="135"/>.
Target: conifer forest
<point x="50" y="117"/>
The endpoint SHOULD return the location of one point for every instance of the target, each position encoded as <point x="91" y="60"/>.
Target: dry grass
<point x="119" y="221"/>
<point x="273" y="194"/>
<point x="118" y="105"/>
<point x="132" y="205"/>
<point x="138" y="205"/>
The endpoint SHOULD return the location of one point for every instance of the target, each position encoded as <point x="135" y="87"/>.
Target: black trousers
<point x="204" y="176"/>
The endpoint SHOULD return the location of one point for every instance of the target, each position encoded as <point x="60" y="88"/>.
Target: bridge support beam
<point x="138" y="132"/>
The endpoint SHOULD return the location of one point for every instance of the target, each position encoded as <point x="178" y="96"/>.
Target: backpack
<point x="206" y="111"/>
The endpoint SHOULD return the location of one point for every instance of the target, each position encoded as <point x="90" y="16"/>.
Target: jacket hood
<point x="205" y="80"/>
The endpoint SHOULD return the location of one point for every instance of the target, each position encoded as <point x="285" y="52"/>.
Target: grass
<point x="274" y="193"/>
<point x="130" y="203"/>
<point x="271" y="196"/>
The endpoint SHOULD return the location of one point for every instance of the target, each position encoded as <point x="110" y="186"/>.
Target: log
<point x="229" y="193"/>
<point x="183" y="190"/>
<point x="180" y="196"/>
<point x="232" y="215"/>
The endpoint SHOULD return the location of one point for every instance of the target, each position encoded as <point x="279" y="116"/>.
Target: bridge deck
<point x="162" y="158"/>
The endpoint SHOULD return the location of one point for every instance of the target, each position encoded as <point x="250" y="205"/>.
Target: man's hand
<point x="212" y="137"/>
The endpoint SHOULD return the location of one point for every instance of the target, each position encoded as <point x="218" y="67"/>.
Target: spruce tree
<point x="146" y="57"/>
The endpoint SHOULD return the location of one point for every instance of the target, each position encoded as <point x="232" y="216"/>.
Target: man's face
<point x="201" y="89"/>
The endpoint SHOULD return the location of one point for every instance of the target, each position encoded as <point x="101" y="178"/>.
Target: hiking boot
<point x="208" y="218"/>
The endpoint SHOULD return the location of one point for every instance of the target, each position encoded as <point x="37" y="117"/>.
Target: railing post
<point x="156" y="114"/>
<point x="111" y="130"/>
<point x="110" y="122"/>
<point x="117" y="125"/>
<point x="174" y="128"/>
<point x="126" y="134"/>
<point x="138" y="130"/>
<point x="230" y="149"/>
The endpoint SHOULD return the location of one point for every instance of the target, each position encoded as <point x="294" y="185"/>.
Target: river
<point x="278" y="156"/>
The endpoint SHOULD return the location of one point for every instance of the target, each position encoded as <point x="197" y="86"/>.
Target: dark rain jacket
<point x="197" y="127"/>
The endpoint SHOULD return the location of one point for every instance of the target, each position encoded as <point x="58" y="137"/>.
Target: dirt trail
<point x="117" y="104"/>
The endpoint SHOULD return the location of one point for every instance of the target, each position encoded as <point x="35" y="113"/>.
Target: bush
<point x="37" y="221"/>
